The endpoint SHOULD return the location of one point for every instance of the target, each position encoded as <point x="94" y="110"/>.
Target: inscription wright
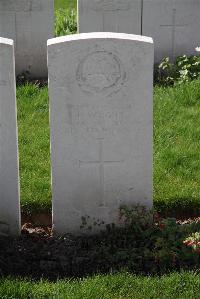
<point x="98" y="119"/>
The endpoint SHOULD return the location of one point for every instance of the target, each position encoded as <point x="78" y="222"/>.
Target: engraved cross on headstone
<point x="173" y="27"/>
<point x="101" y="162"/>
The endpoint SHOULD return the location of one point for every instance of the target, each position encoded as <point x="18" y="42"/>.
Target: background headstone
<point x="29" y="23"/>
<point x="100" y="88"/>
<point x="9" y="179"/>
<point x="174" y="26"/>
<point x="110" y="15"/>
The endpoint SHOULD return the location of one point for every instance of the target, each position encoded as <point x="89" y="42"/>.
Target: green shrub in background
<point x="65" y="4"/>
<point x="185" y="68"/>
<point x="65" y="22"/>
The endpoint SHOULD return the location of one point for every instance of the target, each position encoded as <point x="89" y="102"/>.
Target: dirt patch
<point x="39" y="219"/>
<point x="36" y="253"/>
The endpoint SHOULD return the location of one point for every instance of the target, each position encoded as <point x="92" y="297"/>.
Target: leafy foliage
<point x="65" y="3"/>
<point x="184" y="69"/>
<point x="65" y="22"/>
<point x="193" y="241"/>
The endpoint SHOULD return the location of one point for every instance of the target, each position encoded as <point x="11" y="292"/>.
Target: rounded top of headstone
<point x="6" y="41"/>
<point x="100" y="35"/>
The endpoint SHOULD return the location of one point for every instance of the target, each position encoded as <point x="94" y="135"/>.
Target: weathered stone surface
<point x="100" y="88"/>
<point x="174" y="26"/>
<point x="9" y="180"/>
<point x="29" y="23"/>
<point x="110" y="15"/>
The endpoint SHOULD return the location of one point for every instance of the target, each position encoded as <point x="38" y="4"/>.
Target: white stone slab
<point x="29" y="23"/>
<point x="174" y="26"/>
<point x="100" y="88"/>
<point x="9" y="179"/>
<point x="110" y="16"/>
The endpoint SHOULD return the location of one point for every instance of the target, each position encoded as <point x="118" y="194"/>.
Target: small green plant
<point x="185" y="68"/>
<point x="193" y="241"/>
<point x="137" y="215"/>
<point x="65" y="22"/>
<point x="163" y="239"/>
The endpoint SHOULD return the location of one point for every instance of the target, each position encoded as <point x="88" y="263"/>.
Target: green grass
<point x="34" y="152"/>
<point x="65" y="4"/>
<point x="65" y="17"/>
<point x="183" y="285"/>
<point x="65" y="22"/>
<point x="176" y="148"/>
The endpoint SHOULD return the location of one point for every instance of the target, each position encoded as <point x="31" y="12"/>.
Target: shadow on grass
<point x="140" y="249"/>
<point x="178" y="207"/>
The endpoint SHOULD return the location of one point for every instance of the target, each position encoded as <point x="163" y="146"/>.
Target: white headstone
<point x="100" y="88"/>
<point x="29" y="23"/>
<point x="9" y="179"/>
<point x="174" y="26"/>
<point x="109" y="15"/>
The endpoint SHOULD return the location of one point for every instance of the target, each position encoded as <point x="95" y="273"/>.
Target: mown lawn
<point x="176" y="148"/>
<point x="185" y="285"/>
<point x="34" y="149"/>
